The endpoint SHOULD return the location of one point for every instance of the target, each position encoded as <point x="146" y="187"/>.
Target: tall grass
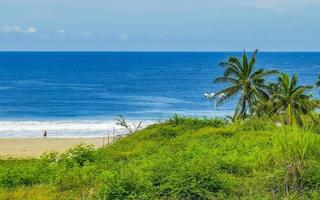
<point x="296" y="143"/>
<point x="297" y="152"/>
<point x="183" y="158"/>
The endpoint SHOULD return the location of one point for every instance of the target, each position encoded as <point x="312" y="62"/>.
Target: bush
<point x="183" y="158"/>
<point x="78" y="178"/>
<point x="127" y="183"/>
<point x="195" y="123"/>
<point x="79" y="155"/>
<point x="22" y="174"/>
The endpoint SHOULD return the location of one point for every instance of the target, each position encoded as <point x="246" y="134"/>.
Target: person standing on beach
<point x="45" y="133"/>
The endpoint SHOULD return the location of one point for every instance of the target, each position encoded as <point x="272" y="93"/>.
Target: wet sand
<point x="35" y="147"/>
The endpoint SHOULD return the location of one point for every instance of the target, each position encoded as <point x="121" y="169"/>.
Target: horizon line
<point x="158" y="51"/>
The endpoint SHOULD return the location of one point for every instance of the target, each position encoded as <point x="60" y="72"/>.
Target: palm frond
<point x="227" y="93"/>
<point x="224" y="79"/>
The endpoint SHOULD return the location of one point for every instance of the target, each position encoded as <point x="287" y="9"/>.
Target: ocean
<point x="80" y="94"/>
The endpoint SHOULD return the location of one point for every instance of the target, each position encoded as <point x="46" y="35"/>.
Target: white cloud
<point x="31" y="30"/>
<point x="12" y="29"/>
<point x="61" y="31"/>
<point x="17" y="29"/>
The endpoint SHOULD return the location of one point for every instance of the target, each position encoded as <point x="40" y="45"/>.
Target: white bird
<point x="222" y="95"/>
<point x="209" y="96"/>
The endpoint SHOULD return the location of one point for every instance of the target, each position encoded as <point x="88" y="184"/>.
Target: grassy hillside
<point x="179" y="159"/>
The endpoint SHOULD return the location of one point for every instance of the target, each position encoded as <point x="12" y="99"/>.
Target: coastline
<point x="35" y="147"/>
<point x="24" y="139"/>
<point x="65" y="128"/>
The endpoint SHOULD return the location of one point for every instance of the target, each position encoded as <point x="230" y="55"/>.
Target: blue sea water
<point x="81" y="93"/>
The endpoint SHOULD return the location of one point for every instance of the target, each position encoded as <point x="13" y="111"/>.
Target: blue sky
<point x="163" y="25"/>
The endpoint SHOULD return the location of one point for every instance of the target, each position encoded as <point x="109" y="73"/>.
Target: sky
<point x="159" y="25"/>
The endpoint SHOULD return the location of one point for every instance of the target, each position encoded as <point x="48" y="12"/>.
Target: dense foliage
<point x="245" y="81"/>
<point x="182" y="158"/>
<point x="284" y="99"/>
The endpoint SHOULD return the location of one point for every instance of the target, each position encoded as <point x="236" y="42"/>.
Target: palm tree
<point x="245" y="81"/>
<point x="291" y="100"/>
<point x="264" y="106"/>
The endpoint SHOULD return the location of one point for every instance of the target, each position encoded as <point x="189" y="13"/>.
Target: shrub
<point x="128" y="183"/>
<point x="76" y="179"/>
<point x="22" y="174"/>
<point x="195" y="123"/>
<point x="79" y="155"/>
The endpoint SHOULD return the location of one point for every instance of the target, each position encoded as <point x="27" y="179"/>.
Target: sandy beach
<point x="35" y="147"/>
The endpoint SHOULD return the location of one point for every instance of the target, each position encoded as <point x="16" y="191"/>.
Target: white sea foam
<point x="62" y="129"/>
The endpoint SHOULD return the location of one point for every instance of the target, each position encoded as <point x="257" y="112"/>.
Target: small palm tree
<point x="245" y="81"/>
<point x="291" y="100"/>
<point x="264" y="106"/>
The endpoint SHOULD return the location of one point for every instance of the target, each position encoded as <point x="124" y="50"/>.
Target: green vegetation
<point x="182" y="158"/>
<point x="284" y="101"/>
<point x="270" y="150"/>
<point x="290" y="100"/>
<point x="245" y="81"/>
